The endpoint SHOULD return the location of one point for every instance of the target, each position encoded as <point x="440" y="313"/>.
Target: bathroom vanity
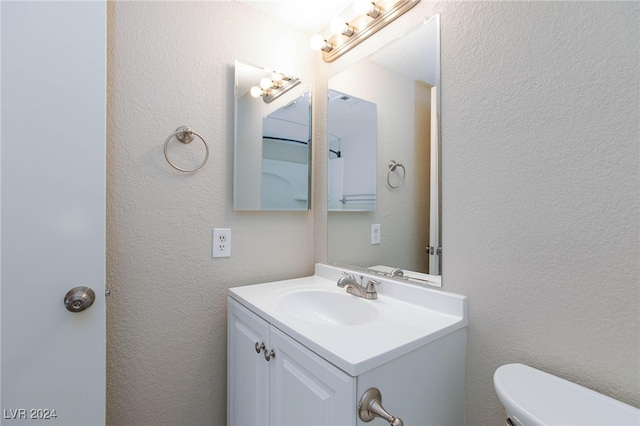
<point x="304" y="351"/>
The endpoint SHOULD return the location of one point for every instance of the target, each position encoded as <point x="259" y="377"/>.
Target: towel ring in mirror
<point x="392" y="168"/>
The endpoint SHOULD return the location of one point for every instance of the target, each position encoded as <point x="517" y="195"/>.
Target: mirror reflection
<point x="401" y="235"/>
<point x="352" y="124"/>
<point x="272" y="140"/>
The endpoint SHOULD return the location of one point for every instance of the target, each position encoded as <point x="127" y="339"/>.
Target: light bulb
<point x="266" y="83"/>
<point x="256" y="92"/>
<point x="366" y="7"/>
<point x="276" y="77"/>
<point x="318" y="42"/>
<point x="338" y="26"/>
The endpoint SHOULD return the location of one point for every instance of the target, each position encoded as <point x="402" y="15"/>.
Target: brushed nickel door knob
<point x="79" y="298"/>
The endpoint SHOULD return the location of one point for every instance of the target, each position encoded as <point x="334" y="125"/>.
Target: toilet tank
<point x="533" y="397"/>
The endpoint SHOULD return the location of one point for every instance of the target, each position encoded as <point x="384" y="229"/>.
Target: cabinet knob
<point x="370" y="407"/>
<point x="260" y="346"/>
<point x="269" y="354"/>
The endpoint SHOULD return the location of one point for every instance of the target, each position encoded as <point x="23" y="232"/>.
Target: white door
<point x="52" y="201"/>
<point x="247" y="368"/>
<point x="434" y="213"/>
<point x="307" y="390"/>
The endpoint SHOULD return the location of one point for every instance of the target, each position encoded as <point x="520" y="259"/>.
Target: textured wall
<point x="171" y="63"/>
<point x="541" y="190"/>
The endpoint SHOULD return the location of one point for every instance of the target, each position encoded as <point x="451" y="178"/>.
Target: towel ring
<point x="185" y="135"/>
<point x="392" y="168"/>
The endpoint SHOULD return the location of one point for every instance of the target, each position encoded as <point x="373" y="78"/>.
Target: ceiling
<point x="415" y="55"/>
<point x="310" y="16"/>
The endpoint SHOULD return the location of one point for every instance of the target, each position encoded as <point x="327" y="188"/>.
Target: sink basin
<point x="328" y="308"/>
<point x="354" y="334"/>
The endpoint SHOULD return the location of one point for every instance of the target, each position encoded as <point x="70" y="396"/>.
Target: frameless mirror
<point x="272" y="147"/>
<point x="401" y="233"/>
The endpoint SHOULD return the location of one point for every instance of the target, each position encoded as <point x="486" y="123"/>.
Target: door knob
<point x="79" y="298"/>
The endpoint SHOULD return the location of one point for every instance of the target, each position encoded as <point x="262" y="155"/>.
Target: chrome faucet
<point x="397" y="272"/>
<point x="349" y="281"/>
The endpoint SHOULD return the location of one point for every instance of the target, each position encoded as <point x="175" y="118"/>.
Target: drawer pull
<point x="269" y="354"/>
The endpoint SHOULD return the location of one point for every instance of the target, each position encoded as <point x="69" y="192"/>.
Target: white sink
<point x="330" y="308"/>
<point x="353" y="333"/>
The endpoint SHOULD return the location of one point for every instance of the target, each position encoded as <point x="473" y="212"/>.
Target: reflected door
<point x="434" y="213"/>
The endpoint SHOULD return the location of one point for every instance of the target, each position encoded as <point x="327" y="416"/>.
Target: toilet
<point x="533" y="397"/>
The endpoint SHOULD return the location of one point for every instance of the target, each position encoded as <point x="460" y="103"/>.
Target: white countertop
<point x="409" y="316"/>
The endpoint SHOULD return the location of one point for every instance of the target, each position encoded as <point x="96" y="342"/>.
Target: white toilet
<point x="533" y="397"/>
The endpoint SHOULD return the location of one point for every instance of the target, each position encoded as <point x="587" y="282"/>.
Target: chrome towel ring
<point x="392" y="168"/>
<point x="185" y="135"/>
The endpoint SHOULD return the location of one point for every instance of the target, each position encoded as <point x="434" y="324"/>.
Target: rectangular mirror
<point x="272" y="146"/>
<point x="402" y="82"/>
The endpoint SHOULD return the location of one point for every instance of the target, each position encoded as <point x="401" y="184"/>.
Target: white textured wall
<point x="171" y="63"/>
<point x="540" y="170"/>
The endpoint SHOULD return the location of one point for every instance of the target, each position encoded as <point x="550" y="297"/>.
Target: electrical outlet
<point x="221" y="242"/>
<point x="375" y="234"/>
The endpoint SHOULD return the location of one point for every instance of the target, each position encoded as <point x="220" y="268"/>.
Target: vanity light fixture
<point x="318" y="42"/>
<point x="367" y="7"/>
<point x="372" y="17"/>
<point x="274" y="86"/>
<point x="338" y="26"/>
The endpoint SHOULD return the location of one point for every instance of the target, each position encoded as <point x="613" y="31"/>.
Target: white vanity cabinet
<point x="284" y="383"/>
<point x="304" y="352"/>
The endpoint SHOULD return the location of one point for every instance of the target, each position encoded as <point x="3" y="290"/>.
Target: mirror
<point x="400" y="233"/>
<point x="272" y="146"/>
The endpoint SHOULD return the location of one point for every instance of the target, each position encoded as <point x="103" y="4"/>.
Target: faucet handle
<point x="372" y="282"/>
<point x="371" y="285"/>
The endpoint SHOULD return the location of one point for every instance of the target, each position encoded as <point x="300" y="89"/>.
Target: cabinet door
<point x="306" y="389"/>
<point x="247" y="370"/>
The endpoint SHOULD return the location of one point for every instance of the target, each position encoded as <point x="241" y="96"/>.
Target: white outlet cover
<point x="376" y="238"/>
<point x="221" y="246"/>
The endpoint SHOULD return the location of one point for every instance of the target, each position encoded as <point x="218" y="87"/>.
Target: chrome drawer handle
<point x="260" y="346"/>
